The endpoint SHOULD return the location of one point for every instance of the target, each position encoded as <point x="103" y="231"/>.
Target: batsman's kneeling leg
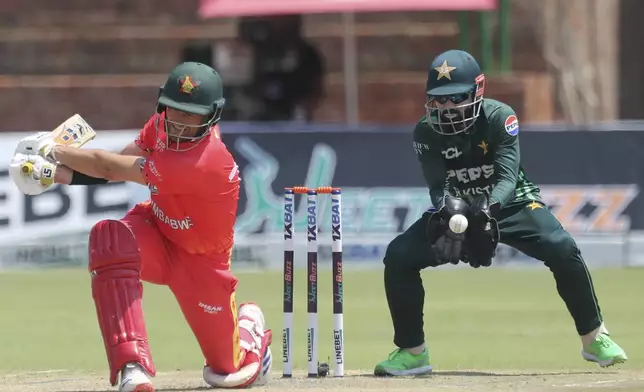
<point x="114" y="265"/>
<point x="255" y="342"/>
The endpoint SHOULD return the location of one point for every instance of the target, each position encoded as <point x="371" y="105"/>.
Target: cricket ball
<point x="458" y="223"/>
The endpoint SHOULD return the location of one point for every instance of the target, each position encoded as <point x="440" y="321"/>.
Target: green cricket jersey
<point x="485" y="160"/>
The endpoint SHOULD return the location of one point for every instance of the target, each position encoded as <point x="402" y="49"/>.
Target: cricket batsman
<point x="468" y="148"/>
<point x="182" y="237"/>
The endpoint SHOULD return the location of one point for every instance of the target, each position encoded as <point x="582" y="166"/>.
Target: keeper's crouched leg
<point x="535" y="231"/>
<point x="406" y="255"/>
<point x="562" y="256"/>
<point x="115" y="265"/>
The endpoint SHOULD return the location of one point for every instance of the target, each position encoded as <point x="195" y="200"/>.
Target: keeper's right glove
<point x="447" y="245"/>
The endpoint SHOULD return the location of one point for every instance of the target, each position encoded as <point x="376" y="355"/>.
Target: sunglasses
<point x="456" y="98"/>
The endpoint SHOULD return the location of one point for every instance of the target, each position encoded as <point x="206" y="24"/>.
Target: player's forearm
<point x="67" y="176"/>
<point x="506" y="168"/>
<point x="101" y="164"/>
<point x="436" y="184"/>
<point x="437" y="195"/>
<point x="503" y="192"/>
<point x="86" y="161"/>
<point x="435" y="175"/>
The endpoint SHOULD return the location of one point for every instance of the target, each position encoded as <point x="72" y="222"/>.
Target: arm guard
<point x="79" y="178"/>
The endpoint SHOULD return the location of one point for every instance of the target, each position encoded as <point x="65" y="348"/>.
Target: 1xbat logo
<point x="311" y="221"/>
<point x="335" y="221"/>
<point x="288" y="217"/>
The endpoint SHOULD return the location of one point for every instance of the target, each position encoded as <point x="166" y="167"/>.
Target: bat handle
<point x="27" y="168"/>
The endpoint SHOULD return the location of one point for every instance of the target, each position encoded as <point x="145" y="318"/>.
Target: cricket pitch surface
<point x="440" y="380"/>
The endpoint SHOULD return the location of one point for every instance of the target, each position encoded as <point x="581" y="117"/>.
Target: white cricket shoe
<point x="257" y="364"/>
<point x="252" y="311"/>
<point x="135" y="379"/>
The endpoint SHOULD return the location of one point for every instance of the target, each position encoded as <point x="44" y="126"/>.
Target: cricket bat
<point x="73" y="132"/>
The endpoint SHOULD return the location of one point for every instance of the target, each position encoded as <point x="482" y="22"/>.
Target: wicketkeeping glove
<point x="447" y="245"/>
<point x="482" y="235"/>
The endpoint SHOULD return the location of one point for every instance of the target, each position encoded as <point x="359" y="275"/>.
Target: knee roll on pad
<point x="114" y="263"/>
<point x="111" y="242"/>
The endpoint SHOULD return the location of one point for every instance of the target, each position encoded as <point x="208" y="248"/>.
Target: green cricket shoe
<point x="604" y="351"/>
<point x="403" y="363"/>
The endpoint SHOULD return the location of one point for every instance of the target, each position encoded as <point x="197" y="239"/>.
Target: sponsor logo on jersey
<point x="512" y="125"/>
<point x="451" y="153"/>
<point x="175" y="224"/>
<point x="420" y="148"/>
<point x="477" y="190"/>
<point x="468" y="174"/>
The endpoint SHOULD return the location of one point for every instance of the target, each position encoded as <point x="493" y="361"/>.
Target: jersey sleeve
<point x="192" y="175"/>
<point x="505" y="127"/>
<point x="432" y="164"/>
<point x="147" y="137"/>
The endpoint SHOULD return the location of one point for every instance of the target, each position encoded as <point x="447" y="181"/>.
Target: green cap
<point x="452" y="72"/>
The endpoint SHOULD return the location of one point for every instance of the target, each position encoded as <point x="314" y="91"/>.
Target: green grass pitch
<point x="474" y="319"/>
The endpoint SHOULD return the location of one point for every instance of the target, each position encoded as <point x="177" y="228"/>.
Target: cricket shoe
<point x="604" y="351"/>
<point x="403" y="363"/>
<point x="258" y="360"/>
<point x="251" y="318"/>
<point x="135" y="379"/>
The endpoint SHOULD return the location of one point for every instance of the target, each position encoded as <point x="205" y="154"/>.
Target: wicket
<point x="312" y="278"/>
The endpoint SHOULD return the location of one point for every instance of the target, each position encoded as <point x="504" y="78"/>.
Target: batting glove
<point x="41" y="143"/>
<point x="32" y="174"/>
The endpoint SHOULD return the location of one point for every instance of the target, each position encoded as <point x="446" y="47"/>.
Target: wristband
<point x="79" y="178"/>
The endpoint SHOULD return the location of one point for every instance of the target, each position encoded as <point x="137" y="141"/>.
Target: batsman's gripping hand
<point x="32" y="174"/>
<point x="41" y="143"/>
<point x="447" y="245"/>
<point x="482" y="236"/>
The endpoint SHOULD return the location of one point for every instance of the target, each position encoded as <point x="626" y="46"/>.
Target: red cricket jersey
<point x="194" y="193"/>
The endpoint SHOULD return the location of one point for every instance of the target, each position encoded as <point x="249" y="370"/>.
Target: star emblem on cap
<point x="444" y="71"/>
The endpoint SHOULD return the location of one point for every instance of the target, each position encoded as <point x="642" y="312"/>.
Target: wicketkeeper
<point x="182" y="237"/>
<point x="468" y="148"/>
